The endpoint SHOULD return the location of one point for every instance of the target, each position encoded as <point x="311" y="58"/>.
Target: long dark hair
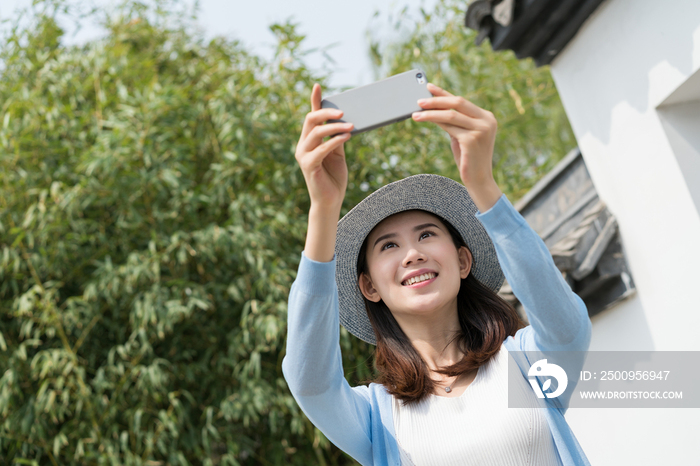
<point x="485" y="321"/>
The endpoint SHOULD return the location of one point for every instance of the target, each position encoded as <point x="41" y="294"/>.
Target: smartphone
<point x="381" y="103"/>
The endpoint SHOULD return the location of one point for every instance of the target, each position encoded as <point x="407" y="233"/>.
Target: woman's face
<point x="414" y="265"/>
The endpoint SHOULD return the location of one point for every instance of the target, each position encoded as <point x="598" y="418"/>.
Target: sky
<point x="323" y="22"/>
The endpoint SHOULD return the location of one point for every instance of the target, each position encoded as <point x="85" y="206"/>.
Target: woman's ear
<point x="367" y="288"/>
<point x="465" y="261"/>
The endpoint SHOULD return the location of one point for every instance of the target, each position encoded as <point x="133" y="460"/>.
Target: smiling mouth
<point x="419" y="278"/>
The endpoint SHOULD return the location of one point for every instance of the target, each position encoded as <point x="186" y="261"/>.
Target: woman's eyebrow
<point x="416" y="228"/>
<point x="425" y="225"/>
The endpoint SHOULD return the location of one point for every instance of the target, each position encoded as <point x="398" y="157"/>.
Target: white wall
<point x="644" y="158"/>
<point x="681" y="122"/>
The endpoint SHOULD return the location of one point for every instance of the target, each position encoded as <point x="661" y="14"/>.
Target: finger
<point x="315" y="105"/>
<point x="315" y="158"/>
<point x="318" y="117"/>
<point x="316" y="97"/>
<point x="451" y="130"/>
<point x="450" y="117"/>
<point x="457" y="103"/>
<point x="435" y="90"/>
<point x="317" y="134"/>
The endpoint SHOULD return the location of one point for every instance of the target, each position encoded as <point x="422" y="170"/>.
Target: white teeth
<point x="419" y="278"/>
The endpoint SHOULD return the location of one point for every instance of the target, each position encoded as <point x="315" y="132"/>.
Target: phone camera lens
<point x="419" y="75"/>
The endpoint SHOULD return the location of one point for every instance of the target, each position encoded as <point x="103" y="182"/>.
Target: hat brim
<point x="432" y="193"/>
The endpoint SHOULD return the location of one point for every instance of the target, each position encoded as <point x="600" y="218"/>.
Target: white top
<point x="477" y="427"/>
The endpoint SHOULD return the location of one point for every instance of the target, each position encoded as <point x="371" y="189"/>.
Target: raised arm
<point x="326" y="173"/>
<point x="558" y="317"/>
<point x="312" y="365"/>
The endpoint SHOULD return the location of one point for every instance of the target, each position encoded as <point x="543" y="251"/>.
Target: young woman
<point x="415" y="268"/>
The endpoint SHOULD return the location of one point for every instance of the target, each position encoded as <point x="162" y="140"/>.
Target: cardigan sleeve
<point x="312" y="365"/>
<point x="558" y="317"/>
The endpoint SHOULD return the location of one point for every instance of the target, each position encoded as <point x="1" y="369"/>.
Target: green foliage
<point x="152" y="217"/>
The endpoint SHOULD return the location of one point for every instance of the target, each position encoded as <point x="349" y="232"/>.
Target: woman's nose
<point x="413" y="255"/>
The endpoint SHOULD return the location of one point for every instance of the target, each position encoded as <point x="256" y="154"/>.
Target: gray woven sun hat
<point x="432" y="193"/>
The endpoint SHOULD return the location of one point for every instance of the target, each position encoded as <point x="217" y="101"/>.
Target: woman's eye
<point x="426" y="233"/>
<point x="387" y="244"/>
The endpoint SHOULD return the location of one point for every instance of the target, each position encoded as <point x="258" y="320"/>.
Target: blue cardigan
<point x="359" y="419"/>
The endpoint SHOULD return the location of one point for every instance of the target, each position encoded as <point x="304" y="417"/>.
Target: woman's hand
<point x="472" y="133"/>
<point x="326" y="174"/>
<point x="323" y="163"/>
